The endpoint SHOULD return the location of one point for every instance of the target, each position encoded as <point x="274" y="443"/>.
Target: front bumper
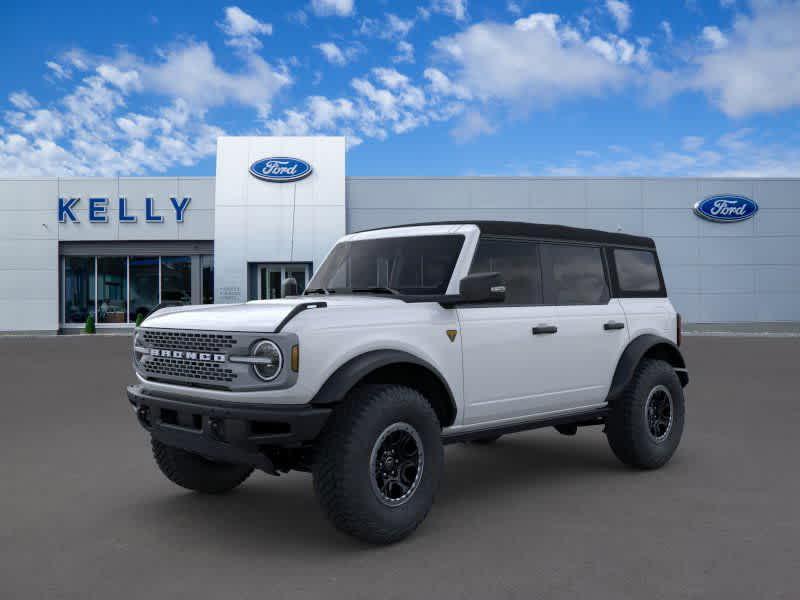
<point x="223" y="431"/>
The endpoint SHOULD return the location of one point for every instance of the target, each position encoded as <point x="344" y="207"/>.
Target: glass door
<point x="271" y="278"/>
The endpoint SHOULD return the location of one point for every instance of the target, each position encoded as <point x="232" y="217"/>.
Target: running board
<point x="595" y="416"/>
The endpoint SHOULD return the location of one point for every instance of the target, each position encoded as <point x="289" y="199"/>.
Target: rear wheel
<point x="197" y="473"/>
<point x="378" y="463"/>
<point x="645" y="423"/>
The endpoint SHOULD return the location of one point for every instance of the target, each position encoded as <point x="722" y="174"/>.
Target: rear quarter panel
<point x="650" y="315"/>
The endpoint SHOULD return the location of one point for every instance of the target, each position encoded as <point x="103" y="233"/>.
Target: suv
<point x="408" y="338"/>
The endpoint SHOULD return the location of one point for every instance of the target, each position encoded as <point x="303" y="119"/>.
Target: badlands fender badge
<point x="452" y="333"/>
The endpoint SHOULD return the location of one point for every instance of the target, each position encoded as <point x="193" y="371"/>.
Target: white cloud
<point x="336" y="55"/>
<point x="758" y="70"/>
<point x="715" y="37"/>
<point x="339" y="8"/>
<point x="441" y="84"/>
<point x="621" y="11"/>
<point x="727" y="3"/>
<point x="243" y="29"/>
<point x="537" y="60"/>
<point x="453" y="8"/>
<point x="405" y="53"/>
<point x="397" y="26"/>
<point x="473" y="124"/>
<point x="58" y="70"/>
<point x="692" y="143"/>
<point x="90" y="130"/>
<point x="666" y="27"/>
<point x="514" y="8"/>
<point x="22" y="100"/>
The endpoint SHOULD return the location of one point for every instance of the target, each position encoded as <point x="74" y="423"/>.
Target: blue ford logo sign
<point x="280" y="169"/>
<point x="726" y="209"/>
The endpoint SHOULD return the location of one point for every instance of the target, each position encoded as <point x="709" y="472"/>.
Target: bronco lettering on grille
<point x="188" y="355"/>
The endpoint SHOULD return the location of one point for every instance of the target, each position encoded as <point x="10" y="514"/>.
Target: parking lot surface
<point x="84" y="512"/>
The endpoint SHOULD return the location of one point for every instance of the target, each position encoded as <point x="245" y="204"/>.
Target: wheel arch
<point x="640" y="348"/>
<point x="391" y="366"/>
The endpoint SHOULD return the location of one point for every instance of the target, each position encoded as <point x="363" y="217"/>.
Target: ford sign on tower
<point x="280" y="169"/>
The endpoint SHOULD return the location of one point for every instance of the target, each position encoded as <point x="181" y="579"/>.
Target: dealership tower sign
<point x="726" y="209"/>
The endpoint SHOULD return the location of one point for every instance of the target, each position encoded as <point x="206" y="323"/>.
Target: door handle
<point x="613" y="325"/>
<point x="540" y="329"/>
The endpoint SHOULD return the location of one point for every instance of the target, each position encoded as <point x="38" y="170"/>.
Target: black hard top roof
<point x="544" y="231"/>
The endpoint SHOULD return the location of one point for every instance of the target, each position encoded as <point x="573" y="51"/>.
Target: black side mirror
<point x="289" y="287"/>
<point x="483" y="287"/>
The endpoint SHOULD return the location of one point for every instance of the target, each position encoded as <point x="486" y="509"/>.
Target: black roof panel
<point x="543" y="231"/>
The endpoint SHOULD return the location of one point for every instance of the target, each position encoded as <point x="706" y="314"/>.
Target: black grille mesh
<point x="160" y="366"/>
<point x="184" y="340"/>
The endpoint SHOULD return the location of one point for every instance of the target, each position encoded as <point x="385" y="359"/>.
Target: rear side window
<point x="637" y="271"/>
<point x="517" y="262"/>
<point x="573" y="275"/>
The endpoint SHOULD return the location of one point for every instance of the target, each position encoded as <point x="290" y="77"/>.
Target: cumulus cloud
<point x="405" y="52"/>
<point x="453" y="8"/>
<point x="336" y="55"/>
<point x="715" y="37"/>
<point x="471" y="125"/>
<point x="339" y="8"/>
<point x="757" y="66"/>
<point x="243" y="29"/>
<point x="621" y="11"/>
<point x="536" y="60"/>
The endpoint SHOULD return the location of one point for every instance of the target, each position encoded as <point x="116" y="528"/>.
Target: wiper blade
<point x="320" y="290"/>
<point x="376" y="290"/>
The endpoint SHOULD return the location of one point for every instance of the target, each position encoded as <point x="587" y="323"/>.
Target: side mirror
<point x="482" y="287"/>
<point x="289" y="287"/>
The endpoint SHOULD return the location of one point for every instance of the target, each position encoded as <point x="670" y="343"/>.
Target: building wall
<point x="30" y="233"/>
<point x="715" y="272"/>
<point x="259" y="221"/>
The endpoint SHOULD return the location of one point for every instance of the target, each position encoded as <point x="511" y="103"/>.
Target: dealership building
<point x="114" y="248"/>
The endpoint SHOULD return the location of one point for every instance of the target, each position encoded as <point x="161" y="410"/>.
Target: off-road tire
<point x="194" y="472"/>
<point x="343" y="467"/>
<point x="627" y="426"/>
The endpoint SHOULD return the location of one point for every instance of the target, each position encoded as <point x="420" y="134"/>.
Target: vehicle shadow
<point x="281" y="516"/>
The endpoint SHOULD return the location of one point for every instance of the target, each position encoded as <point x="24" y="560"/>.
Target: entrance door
<point x="272" y="276"/>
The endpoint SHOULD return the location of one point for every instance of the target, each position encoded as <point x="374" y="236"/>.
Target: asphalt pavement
<point x="84" y="512"/>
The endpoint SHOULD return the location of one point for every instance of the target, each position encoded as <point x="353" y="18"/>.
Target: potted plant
<point x="89" y="327"/>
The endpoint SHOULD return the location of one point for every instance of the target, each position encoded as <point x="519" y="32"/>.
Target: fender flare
<point x="350" y="373"/>
<point x="639" y="348"/>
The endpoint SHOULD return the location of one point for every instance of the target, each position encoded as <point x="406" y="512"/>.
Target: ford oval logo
<point x="280" y="169"/>
<point x="726" y="209"/>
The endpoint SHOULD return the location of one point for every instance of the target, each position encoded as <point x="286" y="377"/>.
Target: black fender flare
<point x="356" y="369"/>
<point x="647" y="345"/>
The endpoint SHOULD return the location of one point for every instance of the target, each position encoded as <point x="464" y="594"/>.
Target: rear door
<point x="592" y="328"/>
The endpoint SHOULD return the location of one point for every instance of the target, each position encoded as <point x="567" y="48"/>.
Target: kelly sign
<point x="99" y="208"/>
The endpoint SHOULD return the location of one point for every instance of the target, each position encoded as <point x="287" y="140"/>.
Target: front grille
<point x="201" y="371"/>
<point x="184" y="340"/>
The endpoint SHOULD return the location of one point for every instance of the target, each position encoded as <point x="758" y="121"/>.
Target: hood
<point x="260" y="316"/>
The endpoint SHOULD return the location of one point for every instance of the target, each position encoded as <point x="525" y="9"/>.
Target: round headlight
<point x="270" y="360"/>
<point x="138" y="340"/>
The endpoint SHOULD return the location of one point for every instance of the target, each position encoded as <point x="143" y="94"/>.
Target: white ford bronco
<point x="406" y="339"/>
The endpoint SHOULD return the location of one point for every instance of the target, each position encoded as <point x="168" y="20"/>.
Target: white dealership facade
<point x="114" y="248"/>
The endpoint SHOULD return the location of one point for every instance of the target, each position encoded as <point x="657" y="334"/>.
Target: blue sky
<point x="439" y="87"/>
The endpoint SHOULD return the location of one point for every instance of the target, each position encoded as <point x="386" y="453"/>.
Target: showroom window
<point x="115" y="290"/>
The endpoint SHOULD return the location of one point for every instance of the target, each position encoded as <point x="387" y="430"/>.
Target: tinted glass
<point x="409" y="265"/>
<point x="144" y="285"/>
<point x="176" y="279"/>
<point x="573" y="275"/>
<point x="637" y="271"/>
<point x="78" y="288"/>
<point x="517" y="262"/>
<point x="207" y="266"/>
<point x="112" y="289"/>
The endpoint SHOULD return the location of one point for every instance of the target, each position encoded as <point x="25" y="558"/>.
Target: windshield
<point x="397" y="265"/>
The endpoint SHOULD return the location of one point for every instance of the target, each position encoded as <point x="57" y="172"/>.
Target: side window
<point x="637" y="271"/>
<point x="517" y="262"/>
<point x="573" y="275"/>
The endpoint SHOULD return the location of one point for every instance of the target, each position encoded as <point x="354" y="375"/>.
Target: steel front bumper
<point x="223" y="431"/>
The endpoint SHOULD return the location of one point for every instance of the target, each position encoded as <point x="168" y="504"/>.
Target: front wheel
<point x="197" y="473"/>
<point x="645" y="424"/>
<point x="378" y="463"/>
